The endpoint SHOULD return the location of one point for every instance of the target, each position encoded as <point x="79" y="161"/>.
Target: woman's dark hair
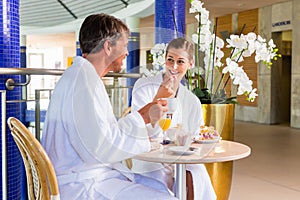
<point x="182" y="43"/>
<point x="98" y="28"/>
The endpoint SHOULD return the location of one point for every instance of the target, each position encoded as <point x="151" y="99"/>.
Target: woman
<point x="179" y="58"/>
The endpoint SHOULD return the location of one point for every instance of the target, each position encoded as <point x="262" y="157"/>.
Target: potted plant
<point x="211" y="74"/>
<point x="209" y="60"/>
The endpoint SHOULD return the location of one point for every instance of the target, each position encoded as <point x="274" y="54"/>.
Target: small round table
<point x="203" y="153"/>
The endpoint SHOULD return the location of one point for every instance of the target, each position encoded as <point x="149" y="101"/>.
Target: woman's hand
<point x="167" y="88"/>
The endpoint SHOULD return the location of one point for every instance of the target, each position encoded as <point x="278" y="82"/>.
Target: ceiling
<point x="224" y="7"/>
<point x="64" y="15"/>
<point x="44" y="16"/>
<point x="55" y="12"/>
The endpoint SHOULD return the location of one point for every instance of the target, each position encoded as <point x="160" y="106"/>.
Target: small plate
<point x="181" y="150"/>
<point x="207" y="141"/>
<point x="155" y="146"/>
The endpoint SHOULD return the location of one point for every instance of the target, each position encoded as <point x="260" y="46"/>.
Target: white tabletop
<point x="205" y="153"/>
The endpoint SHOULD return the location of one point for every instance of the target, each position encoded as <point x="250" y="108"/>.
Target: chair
<point x="126" y="112"/>
<point x="41" y="177"/>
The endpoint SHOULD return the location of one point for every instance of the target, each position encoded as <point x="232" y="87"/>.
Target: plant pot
<point x="221" y="116"/>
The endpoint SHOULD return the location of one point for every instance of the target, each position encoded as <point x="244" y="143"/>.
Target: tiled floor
<point x="272" y="172"/>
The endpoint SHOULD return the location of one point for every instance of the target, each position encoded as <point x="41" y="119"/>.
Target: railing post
<point x="37" y="115"/>
<point x="4" y="161"/>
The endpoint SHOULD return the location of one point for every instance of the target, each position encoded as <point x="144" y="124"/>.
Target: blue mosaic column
<point x="78" y="50"/>
<point x="133" y="61"/>
<point x="133" y="58"/>
<point x="169" y="20"/>
<point x="10" y="58"/>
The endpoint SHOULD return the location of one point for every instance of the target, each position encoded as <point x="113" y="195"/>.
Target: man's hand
<point x="153" y="111"/>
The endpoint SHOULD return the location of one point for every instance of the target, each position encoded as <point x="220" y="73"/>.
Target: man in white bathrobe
<point x="84" y="140"/>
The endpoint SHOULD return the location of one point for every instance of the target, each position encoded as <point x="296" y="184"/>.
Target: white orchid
<point x="211" y="46"/>
<point x="196" y="7"/>
<point x="158" y="53"/>
<point x="158" y="56"/>
<point x="245" y="46"/>
<point x="230" y="67"/>
<point x="241" y="46"/>
<point x="252" y="95"/>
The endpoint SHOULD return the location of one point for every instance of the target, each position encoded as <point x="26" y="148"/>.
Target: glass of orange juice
<point x="164" y="124"/>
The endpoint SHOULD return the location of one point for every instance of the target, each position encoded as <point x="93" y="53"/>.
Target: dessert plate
<point x="207" y="141"/>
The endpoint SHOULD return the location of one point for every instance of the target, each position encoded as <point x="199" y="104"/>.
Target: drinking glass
<point x="183" y="138"/>
<point x="164" y="124"/>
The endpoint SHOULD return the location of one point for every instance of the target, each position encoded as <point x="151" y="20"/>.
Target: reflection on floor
<point x="272" y="172"/>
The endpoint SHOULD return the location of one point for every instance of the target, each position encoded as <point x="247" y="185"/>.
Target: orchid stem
<point x="197" y="53"/>
<point x="214" y="53"/>
<point x="175" y="26"/>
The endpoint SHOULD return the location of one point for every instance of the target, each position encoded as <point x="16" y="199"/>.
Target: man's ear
<point x="107" y="47"/>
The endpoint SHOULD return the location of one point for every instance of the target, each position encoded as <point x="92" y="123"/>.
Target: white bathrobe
<point x="189" y="115"/>
<point x="86" y="143"/>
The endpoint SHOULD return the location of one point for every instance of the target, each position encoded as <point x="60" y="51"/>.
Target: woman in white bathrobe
<point x="179" y="58"/>
<point x="82" y="137"/>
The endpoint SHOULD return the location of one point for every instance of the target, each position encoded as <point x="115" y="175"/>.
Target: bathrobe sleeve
<point x="143" y="93"/>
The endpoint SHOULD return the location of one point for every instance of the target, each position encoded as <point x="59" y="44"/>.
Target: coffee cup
<point x="172" y="104"/>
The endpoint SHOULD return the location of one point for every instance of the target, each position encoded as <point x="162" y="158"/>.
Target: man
<point x="84" y="140"/>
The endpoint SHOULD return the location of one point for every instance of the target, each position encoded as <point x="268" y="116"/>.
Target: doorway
<point x="281" y="78"/>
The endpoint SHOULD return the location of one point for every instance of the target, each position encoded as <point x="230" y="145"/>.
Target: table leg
<point x="180" y="191"/>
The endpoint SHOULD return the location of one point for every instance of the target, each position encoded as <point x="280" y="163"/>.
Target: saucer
<point x="155" y="146"/>
<point x="182" y="150"/>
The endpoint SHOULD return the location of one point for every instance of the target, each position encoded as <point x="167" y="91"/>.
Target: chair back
<point x="40" y="174"/>
<point x="126" y="112"/>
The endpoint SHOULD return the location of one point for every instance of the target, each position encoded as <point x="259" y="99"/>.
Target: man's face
<point x="119" y="53"/>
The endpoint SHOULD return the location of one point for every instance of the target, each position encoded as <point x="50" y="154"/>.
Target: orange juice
<point x="164" y="123"/>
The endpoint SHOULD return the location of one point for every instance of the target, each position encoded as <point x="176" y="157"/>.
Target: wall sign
<point x="283" y="23"/>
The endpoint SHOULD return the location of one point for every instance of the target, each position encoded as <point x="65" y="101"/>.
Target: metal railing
<point x="56" y="72"/>
<point x="10" y="84"/>
<point x="38" y="111"/>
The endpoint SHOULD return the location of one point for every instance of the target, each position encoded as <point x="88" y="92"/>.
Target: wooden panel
<point x="250" y="20"/>
<point x="224" y="24"/>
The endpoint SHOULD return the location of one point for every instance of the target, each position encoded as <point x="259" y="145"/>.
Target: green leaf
<point x="219" y="98"/>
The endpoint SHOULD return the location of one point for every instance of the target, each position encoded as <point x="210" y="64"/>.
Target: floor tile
<point x="273" y="169"/>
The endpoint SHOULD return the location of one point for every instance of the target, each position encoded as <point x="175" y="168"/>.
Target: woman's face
<point x="177" y="63"/>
